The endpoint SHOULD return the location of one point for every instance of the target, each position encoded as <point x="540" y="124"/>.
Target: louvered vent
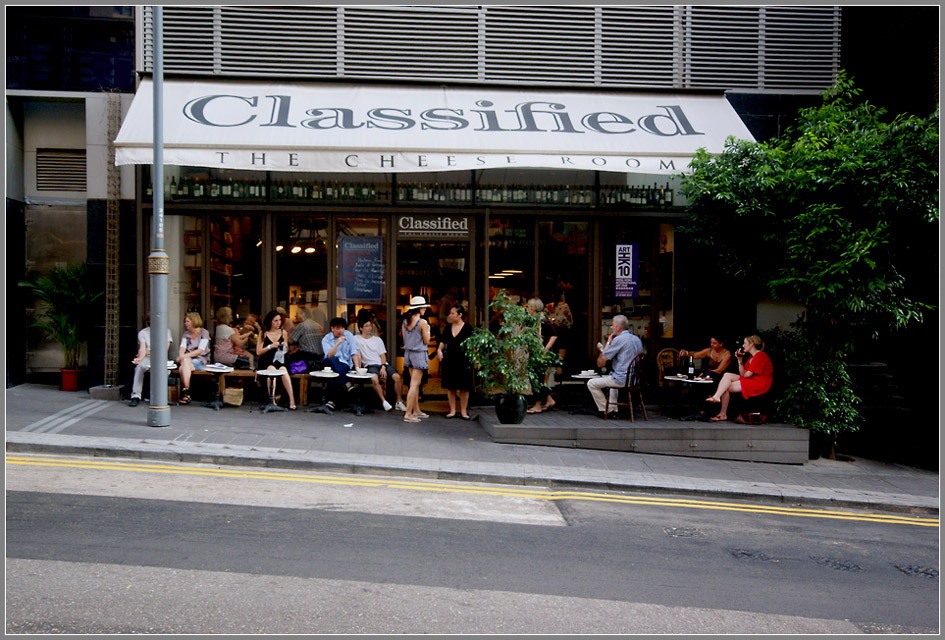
<point x="60" y="170"/>
<point x="540" y="44"/>
<point x="413" y="42"/>
<point x="639" y="47"/>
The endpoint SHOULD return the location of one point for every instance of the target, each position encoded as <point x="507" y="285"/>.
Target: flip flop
<point x="411" y="419"/>
<point x="534" y="411"/>
<point x="712" y="400"/>
<point x="422" y="415"/>
<point x="718" y="419"/>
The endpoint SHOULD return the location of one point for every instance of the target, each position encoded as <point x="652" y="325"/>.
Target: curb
<point x="278" y="459"/>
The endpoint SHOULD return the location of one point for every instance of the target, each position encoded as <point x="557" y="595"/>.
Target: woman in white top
<point x="194" y="353"/>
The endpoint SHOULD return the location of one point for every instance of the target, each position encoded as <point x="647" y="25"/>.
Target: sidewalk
<point x="42" y="419"/>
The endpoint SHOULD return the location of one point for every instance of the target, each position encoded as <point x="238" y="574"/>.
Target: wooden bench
<point x="222" y="378"/>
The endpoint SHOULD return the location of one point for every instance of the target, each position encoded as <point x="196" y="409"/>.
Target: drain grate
<point x="741" y="554"/>
<point x="683" y="532"/>
<point x="912" y="570"/>
<point x="839" y="565"/>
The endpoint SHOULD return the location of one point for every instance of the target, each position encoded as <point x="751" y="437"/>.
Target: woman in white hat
<point x="416" y="332"/>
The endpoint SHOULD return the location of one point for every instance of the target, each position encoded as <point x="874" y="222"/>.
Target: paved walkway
<point x="42" y="419"/>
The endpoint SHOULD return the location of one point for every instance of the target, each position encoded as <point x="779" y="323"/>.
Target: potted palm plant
<point x="65" y="296"/>
<point x="511" y="361"/>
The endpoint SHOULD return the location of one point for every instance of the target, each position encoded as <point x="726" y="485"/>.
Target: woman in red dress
<point x="753" y="379"/>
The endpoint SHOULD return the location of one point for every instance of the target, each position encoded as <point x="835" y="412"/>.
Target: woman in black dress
<point x="456" y="374"/>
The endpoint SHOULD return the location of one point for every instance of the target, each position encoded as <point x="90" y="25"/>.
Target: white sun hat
<point x="417" y="302"/>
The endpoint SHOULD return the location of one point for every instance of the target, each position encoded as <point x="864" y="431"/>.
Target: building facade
<point x="590" y="226"/>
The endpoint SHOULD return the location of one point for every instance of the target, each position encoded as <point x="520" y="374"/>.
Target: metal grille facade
<point x="785" y="48"/>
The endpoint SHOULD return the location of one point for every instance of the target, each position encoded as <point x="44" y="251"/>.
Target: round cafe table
<point x="588" y="408"/>
<point x="271" y="375"/>
<point x="361" y="380"/>
<point x="322" y="378"/>
<point x="691" y="386"/>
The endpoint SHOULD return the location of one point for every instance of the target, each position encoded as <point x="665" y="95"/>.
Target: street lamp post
<point x="159" y="413"/>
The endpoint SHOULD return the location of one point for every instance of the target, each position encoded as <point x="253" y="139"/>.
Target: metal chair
<point x="633" y="384"/>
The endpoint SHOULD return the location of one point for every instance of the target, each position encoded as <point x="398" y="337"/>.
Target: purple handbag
<point x="298" y="367"/>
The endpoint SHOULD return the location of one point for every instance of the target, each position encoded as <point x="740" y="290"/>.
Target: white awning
<point x="342" y="128"/>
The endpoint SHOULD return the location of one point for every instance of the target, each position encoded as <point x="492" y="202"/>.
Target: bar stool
<point x="271" y="376"/>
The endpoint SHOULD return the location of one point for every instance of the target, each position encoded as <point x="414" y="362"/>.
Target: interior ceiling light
<point x="296" y="249"/>
<point x="259" y="244"/>
<point x="309" y="249"/>
<point x="496" y="276"/>
<point x="279" y="247"/>
<point x="510" y="271"/>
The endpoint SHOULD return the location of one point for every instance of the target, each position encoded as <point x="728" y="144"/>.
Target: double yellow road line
<point x="499" y="491"/>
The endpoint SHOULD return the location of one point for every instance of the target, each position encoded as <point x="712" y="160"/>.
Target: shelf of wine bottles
<point x="321" y="192"/>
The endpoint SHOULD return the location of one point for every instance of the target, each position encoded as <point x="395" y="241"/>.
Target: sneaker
<point x="134" y="402"/>
<point x="400" y="406"/>
<point x="349" y="386"/>
<point x="330" y="405"/>
<point x="388" y="406"/>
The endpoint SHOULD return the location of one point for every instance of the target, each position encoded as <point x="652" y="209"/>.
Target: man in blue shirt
<point x="622" y="346"/>
<point x="340" y="350"/>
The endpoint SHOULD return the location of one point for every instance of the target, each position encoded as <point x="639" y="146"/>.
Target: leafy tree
<point x="823" y="217"/>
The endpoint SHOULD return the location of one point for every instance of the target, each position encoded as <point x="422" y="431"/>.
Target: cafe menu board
<point x="627" y="257"/>
<point x="362" y="269"/>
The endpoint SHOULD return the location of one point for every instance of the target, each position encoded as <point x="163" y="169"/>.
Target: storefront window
<point x="512" y="257"/>
<point x="544" y="187"/>
<point x="235" y="276"/>
<point x="302" y="266"/>
<point x="361" y="248"/>
<point x="628" y="275"/>
<point x="563" y="269"/>
<point x="434" y="188"/>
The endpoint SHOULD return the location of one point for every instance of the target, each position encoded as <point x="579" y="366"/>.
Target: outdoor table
<point x="322" y="378"/>
<point x="361" y="380"/>
<point x="271" y="373"/>
<point x="217" y="403"/>
<point x="589" y="408"/>
<point x="691" y="385"/>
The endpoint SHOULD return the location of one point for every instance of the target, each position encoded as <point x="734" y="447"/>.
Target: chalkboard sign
<point x="362" y="269"/>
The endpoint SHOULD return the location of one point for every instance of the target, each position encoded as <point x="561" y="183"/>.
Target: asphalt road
<point x="99" y="547"/>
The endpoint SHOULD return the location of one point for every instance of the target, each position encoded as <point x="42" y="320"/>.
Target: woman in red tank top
<point x="753" y="379"/>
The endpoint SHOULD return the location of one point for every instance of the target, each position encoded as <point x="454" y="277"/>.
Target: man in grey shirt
<point x="307" y="335"/>
<point x="622" y="346"/>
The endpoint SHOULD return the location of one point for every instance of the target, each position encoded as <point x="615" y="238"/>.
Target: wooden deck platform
<point x="780" y="443"/>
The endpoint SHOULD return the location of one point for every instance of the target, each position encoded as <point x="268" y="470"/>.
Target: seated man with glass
<point x="340" y="350"/>
<point x="622" y="346"/>
<point x="373" y="356"/>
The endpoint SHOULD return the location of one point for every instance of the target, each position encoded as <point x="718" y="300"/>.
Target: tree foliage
<point x="825" y="217"/>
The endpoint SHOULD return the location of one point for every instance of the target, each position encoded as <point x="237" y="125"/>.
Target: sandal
<point x="292" y="407"/>
<point x="718" y="418"/>
<point x="414" y="419"/>
<point x="533" y="411"/>
<point x="450" y="416"/>
<point x="712" y="399"/>
<point x="422" y="415"/>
